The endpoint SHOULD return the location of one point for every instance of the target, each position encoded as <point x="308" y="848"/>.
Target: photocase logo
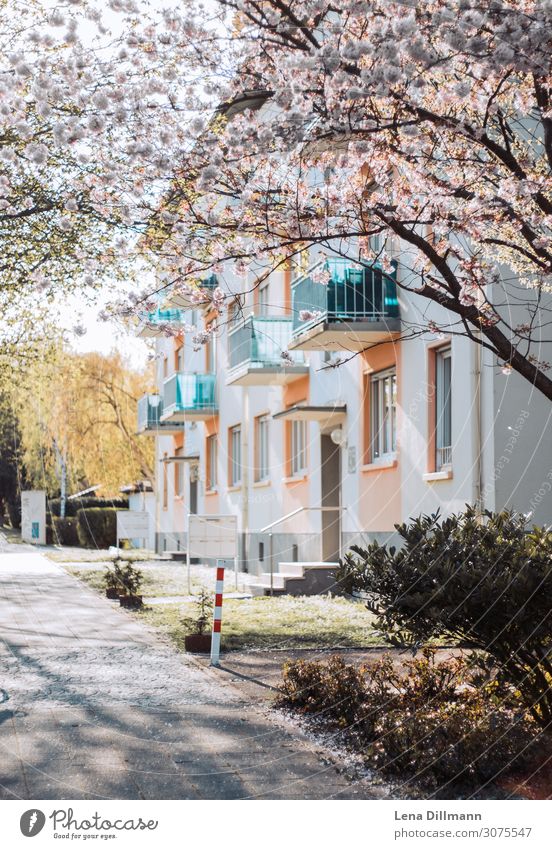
<point x="32" y="822"/>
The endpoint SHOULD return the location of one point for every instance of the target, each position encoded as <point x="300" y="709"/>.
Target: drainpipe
<point x="245" y="474"/>
<point x="477" y="429"/>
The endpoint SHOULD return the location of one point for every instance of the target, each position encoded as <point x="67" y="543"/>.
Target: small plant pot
<point x="112" y="592"/>
<point x="132" y="601"/>
<point x="198" y="643"/>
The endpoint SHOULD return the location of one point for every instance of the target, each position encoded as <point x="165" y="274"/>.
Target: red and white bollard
<point x="217" y="615"/>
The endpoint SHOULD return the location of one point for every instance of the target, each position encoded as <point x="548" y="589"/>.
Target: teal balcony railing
<point x="259" y="342"/>
<point x="163" y="317"/>
<point x="150" y="409"/>
<point x="193" y="393"/>
<point x="351" y="292"/>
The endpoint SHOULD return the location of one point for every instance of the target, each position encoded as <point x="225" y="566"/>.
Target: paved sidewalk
<point x="93" y="705"/>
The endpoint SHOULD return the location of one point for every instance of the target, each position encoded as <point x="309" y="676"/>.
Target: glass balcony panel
<point x="163" y="317"/>
<point x="150" y="409"/>
<point x="351" y="292"/>
<point x="259" y="341"/>
<point x="183" y="392"/>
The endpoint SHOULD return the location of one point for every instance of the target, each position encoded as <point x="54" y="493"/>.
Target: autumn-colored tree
<point x="77" y="416"/>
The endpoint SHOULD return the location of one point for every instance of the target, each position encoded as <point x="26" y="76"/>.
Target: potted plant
<point x="198" y="638"/>
<point x="131" y="581"/>
<point x="113" y="580"/>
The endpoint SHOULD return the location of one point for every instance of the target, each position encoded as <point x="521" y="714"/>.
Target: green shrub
<point x="65" y="530"/>
<point x="333" y="689"/>
<point x="201" y="622"/>
<point x="97" y="527"/>
<point x="439" y="724"/>
<point x="73" y="506"/>
<point x="431" y="721"/>
<point x="483" y="581"/>
<point x="123" y="577"/>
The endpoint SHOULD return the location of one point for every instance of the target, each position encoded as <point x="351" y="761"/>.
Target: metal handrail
<point x="279" y="522"/>
<point x="294" y="513"/>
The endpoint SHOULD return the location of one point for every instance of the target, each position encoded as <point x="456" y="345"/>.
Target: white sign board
<point x="213" y="536"/>
<point x="133" y="524"/>
<point x="33" y="516"/>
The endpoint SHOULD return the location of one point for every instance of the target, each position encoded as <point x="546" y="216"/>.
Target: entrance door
<point x="193" y="494"/>
<point x="330" y="455"/>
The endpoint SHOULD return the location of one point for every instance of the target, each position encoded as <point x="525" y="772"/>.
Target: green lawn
<point x="282" y="622"/>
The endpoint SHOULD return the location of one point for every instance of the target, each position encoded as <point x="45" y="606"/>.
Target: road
<point x="94" y="705"/>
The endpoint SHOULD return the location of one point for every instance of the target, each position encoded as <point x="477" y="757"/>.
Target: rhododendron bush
<point x="228" y="138"/>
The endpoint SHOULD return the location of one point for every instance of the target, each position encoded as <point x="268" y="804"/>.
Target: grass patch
<point x="159" y="580"/>
<point x="283" y="622"/>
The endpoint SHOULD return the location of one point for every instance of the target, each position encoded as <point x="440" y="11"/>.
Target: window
<point x="383" y="414"/>
<point x="179" y="473"/>
<point x="212" y="462"/>
<point x="261" y="446"/>
<point x="235" y="455"/>
<point x="263" y="304"/>
<point x="179" y="358"/>
<point x="165" y="482"/>
<point x="210" y="355"/>
<point x="298" y="448"/>
<point x="234" y="314"/>
<point x="165" y="366"/>
<point x="443" y="410"/>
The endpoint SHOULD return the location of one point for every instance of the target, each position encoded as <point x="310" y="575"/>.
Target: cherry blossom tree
<point x="93" y="115"/>
<point x="427" y="123"/>
<point x="236" y="134"/>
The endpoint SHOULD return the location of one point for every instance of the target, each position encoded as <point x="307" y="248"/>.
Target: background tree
<point x="12" y="469"/>
<point x="82" y="408"/>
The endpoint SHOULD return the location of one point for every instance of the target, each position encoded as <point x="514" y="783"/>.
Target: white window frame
<point x="212" y="449"/>
<point x="179" y="359"/>
<point x="262" y="445"/>
<point x="298" y="447"/>
<point x="383" y="416"/>
<point x="211" y="355"/>
<point x="179" y="474"/>
<point x="443" y="408"/>
<point x="235" y="456"/>
<point x="263" y="304"/>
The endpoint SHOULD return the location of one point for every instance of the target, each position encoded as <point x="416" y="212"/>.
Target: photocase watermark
<point x="66" y="826"/>
<point x="421" y="398"/>
<point x="507" y="452"/>
<point x="544" y="489"/>
<point x="32" y="822"/>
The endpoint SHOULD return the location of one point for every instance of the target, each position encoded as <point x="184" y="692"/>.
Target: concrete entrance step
<point x="307" y="578"/>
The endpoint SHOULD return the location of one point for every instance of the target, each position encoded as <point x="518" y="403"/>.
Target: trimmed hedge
<point x="97" y="527"/>
<point x="72" y="507"/>
<point x="66" y="530"/>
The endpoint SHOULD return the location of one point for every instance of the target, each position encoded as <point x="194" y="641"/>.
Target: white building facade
<point x="359" y="429"/>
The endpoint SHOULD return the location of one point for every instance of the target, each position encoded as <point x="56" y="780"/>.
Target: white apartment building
<point x="312" y="455"/>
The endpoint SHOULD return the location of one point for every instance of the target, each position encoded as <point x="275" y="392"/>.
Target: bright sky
<point x="100" y="335"/>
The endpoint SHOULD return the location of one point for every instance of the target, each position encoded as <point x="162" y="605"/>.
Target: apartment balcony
<point x="255" y="353"/>
<point x="154" y="324"/>
<point x="150" y="410"/>
<point x="189" y="398"/>
<point x="186" y="298"/>
<point x="340" y="305"/>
